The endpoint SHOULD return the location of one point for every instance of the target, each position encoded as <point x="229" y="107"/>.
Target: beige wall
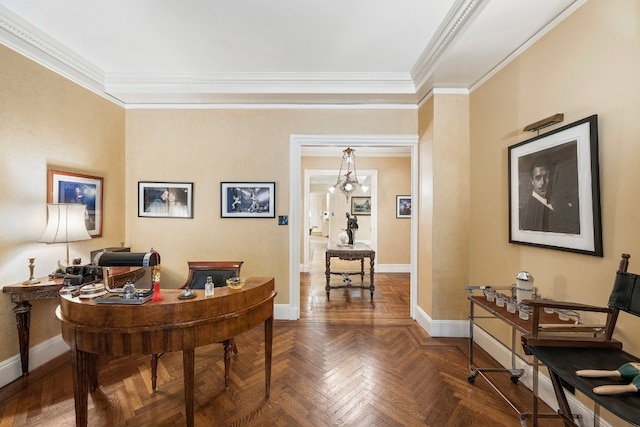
<point x="47" y="122"/>
<point x="209" y="146"/>
<point x="587" y="65"/>
<point x="444" y="223"/>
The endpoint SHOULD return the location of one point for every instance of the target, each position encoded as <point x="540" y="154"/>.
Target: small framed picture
<point x="165" y="199"/>
<point x="360" y="205"/>
<point x="554" y="190"/>
<point x="67" y="187"/>
<point x="248" y="199"/>
<point x="403" y="206"/>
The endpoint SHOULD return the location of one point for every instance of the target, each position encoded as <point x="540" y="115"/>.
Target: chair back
<point x="219" y="271"/>
<point x="625" y="295"/>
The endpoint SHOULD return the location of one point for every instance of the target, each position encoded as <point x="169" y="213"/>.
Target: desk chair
<point x="564" y="350"/>
<point x="219" y="271"/>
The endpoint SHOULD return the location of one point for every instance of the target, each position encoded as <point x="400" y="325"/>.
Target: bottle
<point x="208" y="287"/>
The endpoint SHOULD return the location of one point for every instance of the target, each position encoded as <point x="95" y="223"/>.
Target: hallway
<point x="390" y="302"/>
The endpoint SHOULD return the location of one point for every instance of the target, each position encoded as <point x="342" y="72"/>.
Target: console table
<point x="517" y="325"/>
<point x="172" y="324"/>
<point x="357" y="251"/>
<point x="48" y="289"/>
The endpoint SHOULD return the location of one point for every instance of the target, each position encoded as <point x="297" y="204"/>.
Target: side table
<point x="49" y="289"/>
<point x="357" y="251"/>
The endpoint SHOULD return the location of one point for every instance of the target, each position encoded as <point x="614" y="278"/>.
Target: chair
<point x="567" y="349"/>
<point x="219" y="271"/>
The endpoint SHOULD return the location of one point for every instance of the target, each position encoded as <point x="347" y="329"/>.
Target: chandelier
<point x="347" y="182"/>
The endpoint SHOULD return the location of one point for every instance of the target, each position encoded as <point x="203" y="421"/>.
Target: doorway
<point x="300" y="143"/>
<point x="324" y="212"/>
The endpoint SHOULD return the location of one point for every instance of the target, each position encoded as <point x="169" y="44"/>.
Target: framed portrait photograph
<point x="248" y="199"/>
<point x="68" y="187"/>
<point x="165" y="199"/>
<point x="360" y="205"/>
<point x="403" y="206"/>
<point x="554" y="190"/>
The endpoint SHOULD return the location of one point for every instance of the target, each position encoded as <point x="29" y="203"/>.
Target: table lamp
<point x="65" y="223"/>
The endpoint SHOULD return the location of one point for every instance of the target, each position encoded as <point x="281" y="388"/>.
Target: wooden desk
<point x="48" y="289"/>
<point x="155" y="327"/>
<point x="357" y="251"/>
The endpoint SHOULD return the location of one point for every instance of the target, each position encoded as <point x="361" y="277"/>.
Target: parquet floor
<point x="348" y="361"/>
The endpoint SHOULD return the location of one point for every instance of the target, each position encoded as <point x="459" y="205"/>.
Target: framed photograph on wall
<point x="248" y="199"/>
<point x="165" y="199"/>
<point x="403" y="206"/>
<point x="554" y="190"/>
<point x="360" y="205"/>
<point x="68" y="187"/>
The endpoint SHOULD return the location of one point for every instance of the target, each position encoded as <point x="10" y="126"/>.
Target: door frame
<point x="296" y="197"/>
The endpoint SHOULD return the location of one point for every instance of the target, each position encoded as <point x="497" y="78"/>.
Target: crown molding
<point x="22" y="37"/>
<point x="262" y="87"/>
<point x="460" y="15"/>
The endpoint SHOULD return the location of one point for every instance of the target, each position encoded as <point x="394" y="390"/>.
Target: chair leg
<point x="233" y="345"/>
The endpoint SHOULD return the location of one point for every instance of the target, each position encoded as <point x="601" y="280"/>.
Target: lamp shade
<point x="65" y="223"/>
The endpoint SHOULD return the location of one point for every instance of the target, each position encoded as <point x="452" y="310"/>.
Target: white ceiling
<point x="204" y="52"/>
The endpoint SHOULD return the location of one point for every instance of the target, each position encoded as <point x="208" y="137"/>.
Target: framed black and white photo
<point x="403" y="206"/>
<point x="248" y="199"/>
<point x="360" y="205"/>
<point x="554" y="190"/>
<point x="165" y="199"/>
<point x="68" y="187"/>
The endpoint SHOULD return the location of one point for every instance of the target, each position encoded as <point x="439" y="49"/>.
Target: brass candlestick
<point x="32" y="280"/>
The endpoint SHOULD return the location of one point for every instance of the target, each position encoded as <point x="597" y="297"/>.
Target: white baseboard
<point x="11" y="369"/>
<point x="460" y="328"/>
<point x="442" y="328"/>
<point x="284" y="312"/>
<point x="393" y="268"/>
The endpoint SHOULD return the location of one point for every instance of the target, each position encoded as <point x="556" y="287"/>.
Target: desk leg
<point x="23" y="316"/>
<point x="268" y="346"/>
<point x="327" y="273"/>
<point x="373" y="287"/>
<point x="83" y="365"/>
<point x="188" y="364"/>
<point x="228" y="347"/>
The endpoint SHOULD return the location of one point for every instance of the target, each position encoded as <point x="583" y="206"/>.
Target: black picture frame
<point x="248" y="199"/>
<point x="403" y="206"/>
<point x="568" y="157"/>
<point x="69" y="187"/>
<point x="165" y="199"/>
<point x="360" y="205"/>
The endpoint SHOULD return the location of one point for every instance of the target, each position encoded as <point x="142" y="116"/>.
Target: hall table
<point x="357" y="251"/>
<point x="172" y="324"/>
<point x="49" y="288"/>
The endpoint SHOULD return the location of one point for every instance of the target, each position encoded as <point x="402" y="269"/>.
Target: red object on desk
<point x="157" y="296"/>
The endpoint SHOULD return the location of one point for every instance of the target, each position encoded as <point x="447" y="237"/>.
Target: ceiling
<point x="278" y="52"/>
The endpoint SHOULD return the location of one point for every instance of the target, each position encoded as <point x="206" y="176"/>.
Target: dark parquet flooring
<point x="349" y="361"/>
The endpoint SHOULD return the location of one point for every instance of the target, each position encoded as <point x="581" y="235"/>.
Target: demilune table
<point x="172" y="324"/>
<point x="357" y="251"/>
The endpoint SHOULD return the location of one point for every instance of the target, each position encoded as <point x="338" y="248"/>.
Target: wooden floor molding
<point x="349" y="361"/>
